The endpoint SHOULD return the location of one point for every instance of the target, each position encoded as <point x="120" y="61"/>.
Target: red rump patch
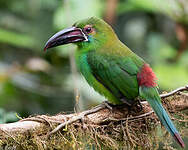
<point x="146" y="77"/>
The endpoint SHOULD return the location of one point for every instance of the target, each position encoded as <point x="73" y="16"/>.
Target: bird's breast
<point x="83" y="66"/>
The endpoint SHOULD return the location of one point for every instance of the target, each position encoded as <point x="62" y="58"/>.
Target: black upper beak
<point x="69" y="35"/>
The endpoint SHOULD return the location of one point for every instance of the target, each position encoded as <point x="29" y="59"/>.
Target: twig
<point x="12" y="136"/>
<point x="128" y="133"/>
<point x="74" y="72"/>
<point x="185" y="88"/>
<point x="185" y="94"/>
<point x="36" y="118"/>
<point x="180" y="120"/>
<point x="131" y="118"/>
<point x="141" y="116"/>
<point x="78" y="117"/>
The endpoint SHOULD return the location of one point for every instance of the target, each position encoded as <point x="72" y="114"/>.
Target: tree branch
<point x="42" y="128"/>
<point x="185" y="88"/>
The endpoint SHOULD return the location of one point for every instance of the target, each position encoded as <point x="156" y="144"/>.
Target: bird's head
<point x="87" y="33"/>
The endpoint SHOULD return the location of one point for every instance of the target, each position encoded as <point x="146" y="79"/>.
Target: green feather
<point x="82" y="64"/>
<point x="114" y="73"/>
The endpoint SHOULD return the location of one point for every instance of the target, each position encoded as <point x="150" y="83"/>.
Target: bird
<point x="111" y="68"/>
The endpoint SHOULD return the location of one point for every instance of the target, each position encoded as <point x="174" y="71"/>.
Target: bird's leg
<point x="108" y="105"/>
<point x="137" y="106"/>
<point x="133" y="105"/>
<point x="126" y="102"/>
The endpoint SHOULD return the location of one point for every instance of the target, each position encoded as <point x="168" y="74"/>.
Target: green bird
<point x="111" y="68"/>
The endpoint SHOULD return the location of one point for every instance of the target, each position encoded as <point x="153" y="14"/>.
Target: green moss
<point x="144" y="133"/>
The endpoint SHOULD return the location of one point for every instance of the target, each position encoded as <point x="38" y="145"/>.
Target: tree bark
<point x="38" y="131"/>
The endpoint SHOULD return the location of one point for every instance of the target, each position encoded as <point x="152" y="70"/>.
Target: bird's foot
<point x="108" y="105"/>
<point x="126" y="102"/>
<point x="137" y="106"/>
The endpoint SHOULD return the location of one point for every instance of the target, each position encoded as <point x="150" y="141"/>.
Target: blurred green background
<point x="35" y="82"/>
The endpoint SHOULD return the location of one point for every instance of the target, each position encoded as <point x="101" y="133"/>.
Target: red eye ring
<point x="88" y="29"/>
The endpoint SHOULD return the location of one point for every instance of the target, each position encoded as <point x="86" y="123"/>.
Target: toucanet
<point x="111" y="68"/>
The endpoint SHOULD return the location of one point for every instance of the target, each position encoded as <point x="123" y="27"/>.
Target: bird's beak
<point x="69" y="35"/>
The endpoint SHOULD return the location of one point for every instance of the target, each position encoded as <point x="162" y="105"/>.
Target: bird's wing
<point x="117" y="74"/>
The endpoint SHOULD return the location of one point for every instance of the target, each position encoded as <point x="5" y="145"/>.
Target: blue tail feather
<point x="152" y="96"/>
<point x="163" y="116"/>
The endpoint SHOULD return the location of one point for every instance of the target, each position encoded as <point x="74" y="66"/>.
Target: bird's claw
<point x="138" y="106"/>
<point x="108" y="105"/>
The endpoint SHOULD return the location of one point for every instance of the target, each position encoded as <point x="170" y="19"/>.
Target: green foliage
<point x="6" y="117"/>
<point x="16" y="39"/>
<point x="173" y="8"/>
<point x="161" y="54"/>
<point x="27" y="77"/>
<point x="166" y="80"/>
<point x="77" y="10"/>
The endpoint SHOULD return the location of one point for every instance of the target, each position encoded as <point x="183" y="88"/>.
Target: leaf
<point x="16" y="39"/>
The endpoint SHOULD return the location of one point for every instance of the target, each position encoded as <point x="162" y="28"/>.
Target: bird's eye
<point x="88" y="29"/>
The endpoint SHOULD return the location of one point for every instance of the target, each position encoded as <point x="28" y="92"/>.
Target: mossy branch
<point x="100" y="127"/>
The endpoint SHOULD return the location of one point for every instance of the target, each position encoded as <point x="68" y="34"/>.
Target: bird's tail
<point x="152" y="96"/>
